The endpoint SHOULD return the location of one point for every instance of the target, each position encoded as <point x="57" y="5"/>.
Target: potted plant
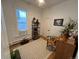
<point x="69" y="28"/>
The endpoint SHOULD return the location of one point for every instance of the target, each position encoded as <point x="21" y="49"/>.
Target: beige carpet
<point x="34" y="50"/>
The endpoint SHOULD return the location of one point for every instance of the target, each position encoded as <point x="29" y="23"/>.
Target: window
<point x="21" y="19"/>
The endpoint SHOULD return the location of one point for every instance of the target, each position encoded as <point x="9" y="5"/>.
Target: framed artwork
<point x="58" y="22"/>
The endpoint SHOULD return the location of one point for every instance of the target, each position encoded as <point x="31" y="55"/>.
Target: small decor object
<point x="24" y="41"/>
<point x="58" y="22"/>
<point x="50" y="47"/>
<point x="37" y="22"/>
<point x="15" y="54"/>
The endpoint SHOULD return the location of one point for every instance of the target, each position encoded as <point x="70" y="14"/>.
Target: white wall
<point x="64" y="10"/>
<point x="5" y="52"/>
<point x="46" y="16"/>
<point x="10" y="15"/>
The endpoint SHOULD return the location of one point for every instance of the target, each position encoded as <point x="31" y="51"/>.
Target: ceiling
<point x="48" y="3"/>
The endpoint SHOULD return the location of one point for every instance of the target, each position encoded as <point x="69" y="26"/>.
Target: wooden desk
<point x="61" y="38"/>
<point x="64" y="50"/>
<point x="64" y="47"/>
<point x="53" y="41"/>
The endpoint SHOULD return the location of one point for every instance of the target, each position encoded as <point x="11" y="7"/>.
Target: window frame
<point x="19" y="17"/>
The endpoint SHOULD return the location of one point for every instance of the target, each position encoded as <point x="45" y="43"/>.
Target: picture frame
<point x="58" y="22"/>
